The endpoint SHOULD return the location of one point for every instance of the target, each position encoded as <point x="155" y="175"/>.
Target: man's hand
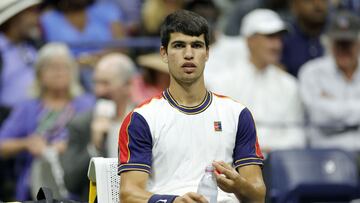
<point x="227" y="178"/>
<point x="36" y="145"/>
<point x="191" y="197"/>
<point x="247" y="184"/>
<point x="99" y="128"/>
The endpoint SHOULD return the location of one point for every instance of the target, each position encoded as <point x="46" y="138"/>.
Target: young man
<point x="166" y="143"/>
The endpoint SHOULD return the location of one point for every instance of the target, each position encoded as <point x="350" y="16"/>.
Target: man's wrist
<point x="162" y="198"/>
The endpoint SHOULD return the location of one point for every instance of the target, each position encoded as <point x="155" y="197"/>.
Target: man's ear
<point x="163" y="53"/>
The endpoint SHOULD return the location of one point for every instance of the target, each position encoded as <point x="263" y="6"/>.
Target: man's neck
<point x="259" y="65"/>
<point x="311" y="30"/>
<point x="77" y="19"/>
<point x="188" y="95"/>
<point x="349" y="72"/>
<point x="56" y="100"/>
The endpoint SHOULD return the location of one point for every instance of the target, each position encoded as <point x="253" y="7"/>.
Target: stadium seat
<point x="104" y="181"/>
<point x="311" y="175"/>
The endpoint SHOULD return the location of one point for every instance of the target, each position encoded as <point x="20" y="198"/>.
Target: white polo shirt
<point x="174" y="143"/>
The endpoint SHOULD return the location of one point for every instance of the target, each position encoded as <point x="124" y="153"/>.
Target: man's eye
<point x="197" y="46"/>
<point x="178" y="46"/>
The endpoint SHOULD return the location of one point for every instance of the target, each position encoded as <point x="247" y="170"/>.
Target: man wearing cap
<point x="270" y="93"/>
<point x="330" y="87"/>
<point x="18" y="20"/>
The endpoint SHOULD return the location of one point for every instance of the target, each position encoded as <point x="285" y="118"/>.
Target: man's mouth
<point x="189" y="67"/>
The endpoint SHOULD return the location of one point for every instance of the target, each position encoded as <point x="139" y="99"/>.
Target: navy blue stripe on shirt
<point x="133" y="167"/>
<point x="189" y="110"/>
<point x="247" y="150"/>
<point x="139" y="145"/>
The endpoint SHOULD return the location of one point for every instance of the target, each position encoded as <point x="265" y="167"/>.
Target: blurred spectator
<point x="132" y="14"/>
<point x="37" y="126"/>
<point x="302" y="43"/>
<point x="152" y="80"/>
<point x="95" y="133"/>
<point x="154" y="12"/>
<point x="330" y="87"/>
<point x="269" y="92"/>
<point x="83" y="22"/>
<point x="18" y="23"/>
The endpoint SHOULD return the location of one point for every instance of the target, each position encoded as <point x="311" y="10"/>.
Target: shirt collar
<point x="189" y="110"/>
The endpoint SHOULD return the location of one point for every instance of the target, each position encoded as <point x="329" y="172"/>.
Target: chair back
<point x="293" y="175"/>
<point x="104" y="181"/>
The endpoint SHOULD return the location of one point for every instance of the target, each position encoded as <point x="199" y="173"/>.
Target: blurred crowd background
<point x="70" y="70"/>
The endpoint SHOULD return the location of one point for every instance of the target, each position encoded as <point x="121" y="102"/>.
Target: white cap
<point x="261" y="21"/>
<point x="9" y="8"/>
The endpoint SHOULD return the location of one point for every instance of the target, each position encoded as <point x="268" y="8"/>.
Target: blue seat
<point x="311" y="175"/>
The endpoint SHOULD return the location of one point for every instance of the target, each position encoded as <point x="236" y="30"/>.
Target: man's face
<point x="311" y="11"/>
<point x="186" y="57"/>
<point x="108" y="84"/>
<point x="56" y="73"/>
<point x="346" y="53"/>
<point x="27" y="22"/>
<point x="265" y="48"/>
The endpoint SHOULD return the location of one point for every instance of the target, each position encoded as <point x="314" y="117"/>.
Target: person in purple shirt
<point x="82" y="23"/>
<point x="18" y="21"/>
<point x="302" y="42"/>
<point x="39" y="124"/>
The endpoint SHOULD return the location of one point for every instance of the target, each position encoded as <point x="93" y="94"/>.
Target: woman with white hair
<point x="37" y="126"/>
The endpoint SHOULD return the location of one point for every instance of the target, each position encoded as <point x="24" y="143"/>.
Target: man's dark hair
<point x="185" y="22"/>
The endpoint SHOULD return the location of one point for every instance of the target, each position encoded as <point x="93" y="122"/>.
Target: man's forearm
<point x="251" y="193"/>
<point x="10" y="148"/>
<point x="134" y="196"/>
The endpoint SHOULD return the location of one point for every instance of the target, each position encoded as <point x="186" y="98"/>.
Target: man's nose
<point x="188" y="52"/>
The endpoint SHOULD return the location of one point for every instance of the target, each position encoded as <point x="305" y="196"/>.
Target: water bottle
<point x="208" y="186"/>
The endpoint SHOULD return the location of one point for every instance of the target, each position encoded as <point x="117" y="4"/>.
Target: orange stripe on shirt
<point x="221" y="96"/>
<point x="258" y="150"/>
<point x="123" y="143"/>
<point x="159" y="96"/>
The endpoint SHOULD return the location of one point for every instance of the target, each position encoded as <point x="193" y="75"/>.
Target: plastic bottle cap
<point x="209" y="168"/>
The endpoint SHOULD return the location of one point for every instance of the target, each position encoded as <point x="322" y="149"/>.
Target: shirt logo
<point x="161" y="201"/>
<point x="217" y="126"/>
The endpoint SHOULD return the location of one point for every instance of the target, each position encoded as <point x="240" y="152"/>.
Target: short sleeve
<point x="247" y="150"/>
<point x="135" y="144"/>
<point x="16" y="126"/>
